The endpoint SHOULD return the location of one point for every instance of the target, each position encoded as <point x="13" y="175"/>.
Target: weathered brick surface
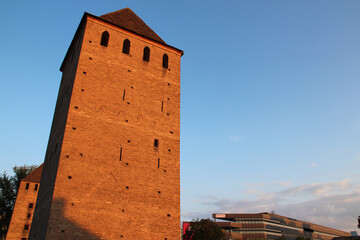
<point x="22" y="214"/>
<point x="91" y="191"/>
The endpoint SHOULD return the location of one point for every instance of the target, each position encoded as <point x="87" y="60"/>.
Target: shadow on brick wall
<point x="66" y="228"/>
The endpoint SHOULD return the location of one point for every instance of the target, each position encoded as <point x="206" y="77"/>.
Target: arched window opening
<point x="104" y="39"/>
<point x="165" y="61"/>
<point x="146" y="56"/>
<point x="126" y="46"/>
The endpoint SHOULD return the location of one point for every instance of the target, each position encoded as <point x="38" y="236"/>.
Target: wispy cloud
<point x="235" y="139"/>
<point x="334" y="204"/>
<point x="313" y="164"/>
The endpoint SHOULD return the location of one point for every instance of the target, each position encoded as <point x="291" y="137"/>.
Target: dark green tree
<point x="9" y="186"/>
<point x="204" y="229"/>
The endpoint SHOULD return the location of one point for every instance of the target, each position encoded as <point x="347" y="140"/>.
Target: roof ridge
<point x="34" y="176"/>
<point x="127" y="19"/>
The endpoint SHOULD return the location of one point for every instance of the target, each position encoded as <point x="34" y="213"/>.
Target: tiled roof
<point x="126" y="18"/>
<point x="34" y="176"/>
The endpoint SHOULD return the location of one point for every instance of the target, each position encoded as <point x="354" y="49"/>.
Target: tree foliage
<point x="204" y="229"/>
<point x="9" y="186"/>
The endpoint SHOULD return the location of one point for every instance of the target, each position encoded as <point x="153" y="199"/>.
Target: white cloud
<point x="334" y="204"/>
<point x="283" y="183"/>
<point x="313" y="164"/>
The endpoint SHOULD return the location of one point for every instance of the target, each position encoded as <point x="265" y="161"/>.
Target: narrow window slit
<point x="124" y="95"/>
<point x="27" y="186"/>
<point x="162" y="106"/>
<point x="36" y="187"/>
<point x="156" y="142"/>
<point x="158" y="162"/>
<point x="165" y="62"/>
<point x="120" y="154"/>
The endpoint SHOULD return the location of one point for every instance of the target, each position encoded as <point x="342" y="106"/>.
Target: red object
<point x="186" y="227"/>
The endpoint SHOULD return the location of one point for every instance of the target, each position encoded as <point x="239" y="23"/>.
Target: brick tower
<point x="24" y="206"/>
<point x="112" y="165"/>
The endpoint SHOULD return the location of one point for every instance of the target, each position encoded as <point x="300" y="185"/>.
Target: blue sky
<point x="270" y="116"/>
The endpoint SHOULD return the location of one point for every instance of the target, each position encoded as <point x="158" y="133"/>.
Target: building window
<point x="31" y="205"/>
<point x="156" y="142"/>
<point x="146" y="56"/>
<point x="26" y="227"/>
<point x="165" y="61"/>
<point x="104" y="39"/>
<point x="126" y="46"/>
<point x="28" y="215"/>
<point x="27" y="186"/>
<point x="36" y="187"/>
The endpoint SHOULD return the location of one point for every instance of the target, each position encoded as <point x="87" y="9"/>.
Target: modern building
<point x="24" y="206"/>
<point x="271" y="226"/>
<point x="112" y="165"/>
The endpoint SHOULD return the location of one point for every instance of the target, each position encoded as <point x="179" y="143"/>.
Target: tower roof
<point x="34" y="176"/>
<point x="126" y="18"/>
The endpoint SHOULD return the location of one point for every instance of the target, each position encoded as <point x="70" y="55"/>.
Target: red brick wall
<point x="96" y="194"/>
<point x="22" y="214"/>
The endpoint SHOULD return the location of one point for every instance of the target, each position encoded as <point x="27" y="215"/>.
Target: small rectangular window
<point x="28" y="215"/>
<point x="156" y="142"/>
<point x="26" y="227"/>
<point x="36" y="187"/>
<point x="27" y="186"/>
<point x="31" y="205"/>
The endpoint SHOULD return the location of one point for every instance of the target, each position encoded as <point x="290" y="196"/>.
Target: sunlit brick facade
<point x="24" y="206"/>
<point x="112" y="166"/>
